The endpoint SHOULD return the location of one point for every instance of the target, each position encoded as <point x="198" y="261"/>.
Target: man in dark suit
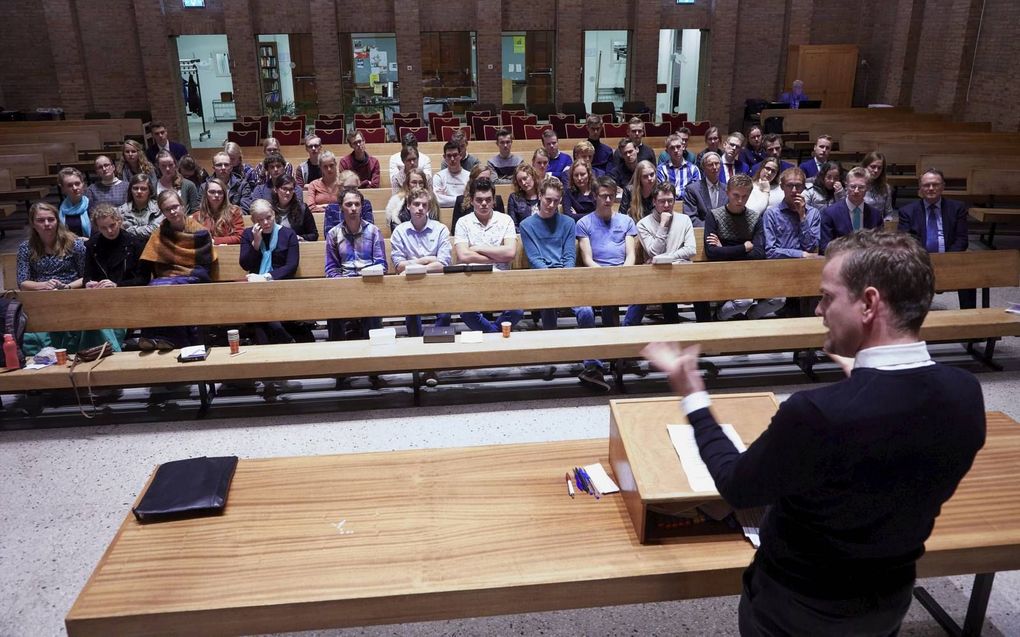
<point x="706" y="194"/>
<point x="161" y="139"/>
<point x="939" y="224"/>
<point x="847" y="215"/>
<point x="773" y="145"/>
<point x="732" y="162"/>
<point x="854" y="473"/>
<point x="820" y="155"/>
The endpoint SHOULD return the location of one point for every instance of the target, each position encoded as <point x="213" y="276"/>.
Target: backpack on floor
<point x="15" y="321"/>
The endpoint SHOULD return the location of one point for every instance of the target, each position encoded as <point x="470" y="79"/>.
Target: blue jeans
<point x="585" y="319"/>
<point x="611" y="316"/>
<point x="479" y="323"/>
<point x="636" y="314"/>
<point x="413" y="323"/>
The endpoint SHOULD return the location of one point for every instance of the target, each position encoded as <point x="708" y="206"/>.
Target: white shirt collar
<point x="888" y="357"/>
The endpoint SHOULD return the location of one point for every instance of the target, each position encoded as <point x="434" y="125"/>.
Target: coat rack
<point x="192" y="81"/>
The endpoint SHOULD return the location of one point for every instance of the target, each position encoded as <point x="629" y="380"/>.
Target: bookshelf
<point x="269" y="74"/>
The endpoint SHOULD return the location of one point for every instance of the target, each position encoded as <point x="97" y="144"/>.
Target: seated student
<point x="237" y="187"/>
<point x="731" y="162"/>
<point x="272" y="167"/>
<point x="579" y="195"/>
<point x="558" y="161"/>
<point x="850" y="213"/>
<point x="827" y="188"/>
<point x="685" y="136"/>
<point x="221" y="218"/>
<point x="486" y="236"/>
<point x="140" y="215"/>
<point x="451" y="180"/>
<point x="261" y="176"/>
<point x="462" y="205"/>
<point x="410" y="159"/>
<point x="582" y="150"/>
<point x="53" y="258"/>
<point x="334" y="213"/>
<point x="504" y="162"/>
<point x="766" y="191"/>
<point x="791" y="228"/>
<point x="360" y="162"/>
<point x="171" y="179"/>
<point x="397" y="162"/>
<point x="623" y="170"/>
<point x="549" y="242"/>
<point x="606" y="238"/>
<point x="636" y="134"/>
<point x="773" y="145"/>
<point x="602" y="160"/>
<point x="754" y="151"/>
<point x="540" y="162"/>
<point x="638" y="197"/>
<point x="713" y="144"/>
<point x="133" y="161"/>
<point x="325" y="190"/>
<point x="269" y="252"/>
<point x="664" y="232"/>
<point x="523" y="200"/>
<point x="879" y="193"/>
<point x="734" y="232"/>
<point x="191" y="171"/>
<point x="352" y="246"/>
<point x="940" y="224"/>
<point x="74" y="209"/>
<point x="677" y="169"/>
<point x="707" y="193"/>
<point x="180" y="251"/>
<point x="397" y="211"/>
<point x="161" y="142"/>
<point x="308" y="171"/>
<point x="421" y="241"/>
<point x="819" y="155"/>
<point x="467" y="160"/>
<point x="112" y="256"/>
<point x="237" y="165"/>
<point x="290" y="211"/>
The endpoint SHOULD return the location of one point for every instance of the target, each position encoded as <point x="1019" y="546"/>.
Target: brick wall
<point x="359" y="16"/>
<point x="28" y="75"/>
<point x="526" y="15"/>
<point x="489" y="51"/>
<point x="68" y="57"/>
<point x="759" y="65"/>
<point x="408" y="26"/>
<point x="684" y="16"/>
<point x="994" y="92"/>
<point x="159" y="61"/>
<point x="244" y="68"/>
<point x="643" y="54"/>
<point x="842" y="21"/>
<point x="180" y="21"/>
<point x="569" y="52"/>
<point x="447" y="15"/>
<point x="715" y="95"/>
<point x="325" y="55"/>
<point x="273" y="16"/>
<point x="112" y="57"/>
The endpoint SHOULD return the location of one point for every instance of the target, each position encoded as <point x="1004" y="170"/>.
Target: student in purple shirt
<point x="607" y="239"/>
<point x="352" y="246"/>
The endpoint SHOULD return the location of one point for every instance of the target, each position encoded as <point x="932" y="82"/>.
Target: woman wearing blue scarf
<point x="269" y="252"/>
<point x="74" y="209"/>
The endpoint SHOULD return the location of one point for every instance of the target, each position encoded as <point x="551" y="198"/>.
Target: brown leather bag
<point x="97" y="354"/>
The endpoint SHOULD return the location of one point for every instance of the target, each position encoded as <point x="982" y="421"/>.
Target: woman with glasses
<point x="291" y="212"/>
<point x="109" y="189"/>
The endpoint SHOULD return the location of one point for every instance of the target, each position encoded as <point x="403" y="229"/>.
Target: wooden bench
<point x="799" y="120"/>
<point x="82" y="138"/>
<point x="52" y="152"/>
<point x="118" y="128"/>
<point x="413" y="541"/>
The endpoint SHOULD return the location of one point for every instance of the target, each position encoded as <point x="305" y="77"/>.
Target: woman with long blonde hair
<point x="133" y="161"/>
<point x="638" y="198"/>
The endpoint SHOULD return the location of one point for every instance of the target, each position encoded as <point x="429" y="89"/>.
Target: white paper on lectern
<point x="686" y="447"/>
<point x="602" y="481"/>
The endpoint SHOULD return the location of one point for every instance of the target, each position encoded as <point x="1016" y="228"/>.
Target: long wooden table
<point x="377" y="538"/>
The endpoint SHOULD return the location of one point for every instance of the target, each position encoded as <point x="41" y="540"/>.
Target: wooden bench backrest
<point x="958" y="165"/>
<point x="122" y="126"/>
<point x="6" y="180"/>
<point x="217" y="304"/>
<point x="798" y="120"/>
<point x="863" y="141"/>
<point x="908" y="153"/>
<point x="24" y="165"/>
<point x="838" y="128"/>
<point x="52" y="152"/>
<point x="83" y="138"/>
<point x="993" y="181"/>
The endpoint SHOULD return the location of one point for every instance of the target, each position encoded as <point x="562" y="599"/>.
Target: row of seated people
<point x="180" y="248"/>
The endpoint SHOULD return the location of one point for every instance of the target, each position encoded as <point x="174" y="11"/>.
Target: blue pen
<point x="579" y="479"/>
<point x="589" y="487"/>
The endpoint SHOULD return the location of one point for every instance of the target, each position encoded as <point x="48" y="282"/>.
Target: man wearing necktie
<point x="847" y="215"/>
<point x="939" y="224"/>
<point x="732" y="164"/>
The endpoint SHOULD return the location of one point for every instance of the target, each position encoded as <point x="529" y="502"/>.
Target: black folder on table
<point x="187" y="488"/>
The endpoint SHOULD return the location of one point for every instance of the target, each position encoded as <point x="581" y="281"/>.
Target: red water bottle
<point x="11" y="360"/>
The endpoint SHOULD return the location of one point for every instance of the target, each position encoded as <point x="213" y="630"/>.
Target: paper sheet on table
<point x="602" y="481"/>
<point x="686" y="447"/>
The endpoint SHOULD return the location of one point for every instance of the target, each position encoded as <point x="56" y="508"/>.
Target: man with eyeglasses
<point x="603" y="159"/>
<point x="309" y="169"/>
<point x="849" y="214"/>
<point x="940" y="224"/>
<point x="238" y="188"/>
<point x="677" y="170"/>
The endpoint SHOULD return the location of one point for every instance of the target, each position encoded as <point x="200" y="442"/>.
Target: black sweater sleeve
<point x="721" y="253"/>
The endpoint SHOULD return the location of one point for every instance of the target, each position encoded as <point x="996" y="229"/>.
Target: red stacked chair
<point x="698" y="128"/>
<point x="421" y="133"/>
<point x="559" y="123"/>
<point x="372" y="135"/>
<point x="330" y="135"/>
<point x="534" y="131"/>
<point x="244" y="138"/>
<point x="518" y="122"/>
<point x="576" y="131"/>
